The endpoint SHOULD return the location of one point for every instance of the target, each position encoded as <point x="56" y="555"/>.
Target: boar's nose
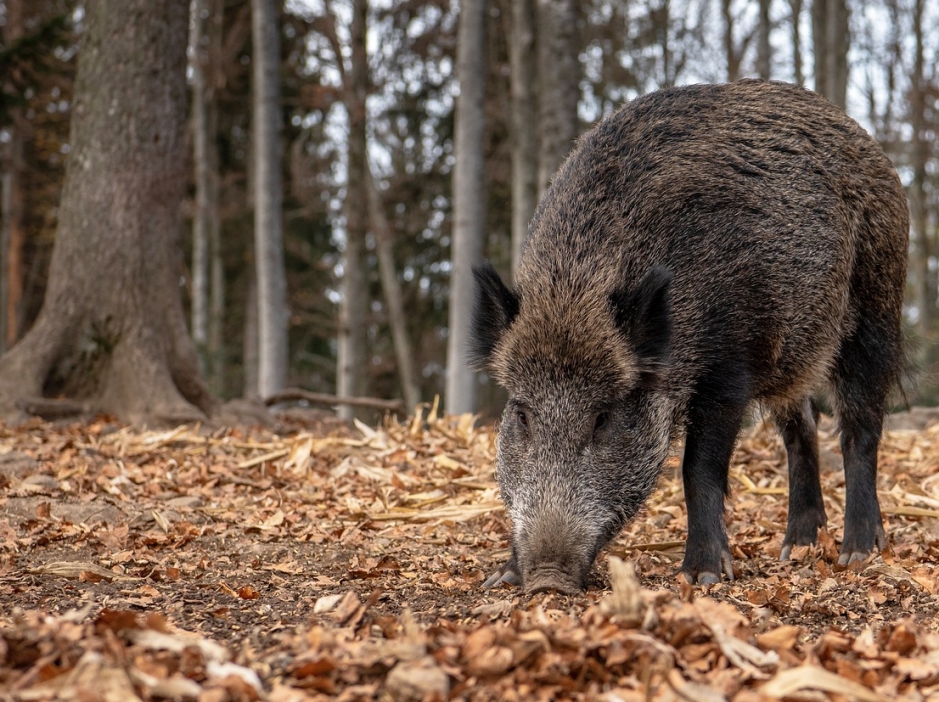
<point x="555" y="546"/>
<point x="546" y="578"/>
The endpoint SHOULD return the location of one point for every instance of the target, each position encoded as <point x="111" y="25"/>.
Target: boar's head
<point x="587" y="426"/>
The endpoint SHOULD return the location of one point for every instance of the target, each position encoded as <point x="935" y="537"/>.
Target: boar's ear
<point x="643" y="315"/>
<point x="495" y="308"/>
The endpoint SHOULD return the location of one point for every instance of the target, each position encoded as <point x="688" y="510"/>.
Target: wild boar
<point x="702" y="249"/>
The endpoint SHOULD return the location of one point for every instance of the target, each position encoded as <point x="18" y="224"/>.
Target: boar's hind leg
<point x="709" y="443"/>
<point x="862" y="379"/>
<point x="806" y="510"/>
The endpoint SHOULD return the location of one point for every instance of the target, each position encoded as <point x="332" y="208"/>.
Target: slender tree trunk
<point x="250" y="341"/>
<point x="6" y="204"/>
<point x="820" y="45"/>
<point x="663" y="24"/>
<point x="397" y="318"/>
<point x="831" y="40"/>
<point x="9" y="191"/>
<point x="268" y="225"/>
<point x="919" y="151"/>
<point x="352" y="352"/>
<point x="12" y="232"/>
<point x="796" y="8"/>
<point x="839" y="38"/>
<point x="208" y="275"/>
<point x="891" y="70"/>
<point x="201" y="138"/>
<point x="469" y="200"/>
<point x="216" y="348"/>
<point x="763" y="48"/>
<point x="558" y="84"/>
<point x="521" y="40"/>
<point x="217" y="360"/>
<point x="112" y="329"/>
<point x="731" y="55"/>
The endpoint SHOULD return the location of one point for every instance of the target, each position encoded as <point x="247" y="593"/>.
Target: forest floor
<point x="322" y="562"/>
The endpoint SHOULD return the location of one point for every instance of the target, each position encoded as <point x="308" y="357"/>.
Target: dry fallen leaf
<point x="625" y="602"/>
<point x="810" y="677"/>
<point x="417" y="680"/>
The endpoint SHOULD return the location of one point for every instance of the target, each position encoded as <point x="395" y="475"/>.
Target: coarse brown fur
<point x="776" y="232"/>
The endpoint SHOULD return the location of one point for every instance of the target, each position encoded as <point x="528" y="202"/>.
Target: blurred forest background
<point x="411" y="138"/>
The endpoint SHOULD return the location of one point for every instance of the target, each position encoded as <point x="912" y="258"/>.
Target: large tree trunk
<point x="520" y="33"/>
<point x="352" y="353"/>
<point x="559" y="84"/>
<point x="391" y="287"/>
<point x="831" y="39"/>
<point x="12" y="233"/>
<point x="112" y="329"/>
<point x="268" y="183"/>
<point x="469" y="200"/>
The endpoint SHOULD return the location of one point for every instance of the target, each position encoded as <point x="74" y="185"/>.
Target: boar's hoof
<point x="506" y="574"/>
<point x="705" y="577"/>
<point x="853" y="557"/>
<point x="701" y="576"/>
<point x="854" y="552"/>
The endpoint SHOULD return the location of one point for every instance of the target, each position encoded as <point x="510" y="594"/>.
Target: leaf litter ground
<point x="323" y="562"/>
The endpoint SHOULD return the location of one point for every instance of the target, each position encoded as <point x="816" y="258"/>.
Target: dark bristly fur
<point x="704" y="248"/>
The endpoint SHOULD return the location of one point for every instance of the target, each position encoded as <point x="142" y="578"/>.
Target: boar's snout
<point x="547" y="578"/>
<point x="555" y="551"/>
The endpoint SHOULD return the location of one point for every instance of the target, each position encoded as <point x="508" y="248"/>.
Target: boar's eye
<point x="522" y="418"/>
<point x="601" y="421"/>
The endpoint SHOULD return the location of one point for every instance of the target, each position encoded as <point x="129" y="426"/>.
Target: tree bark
<point x="558" y="86"/>
<point x="249" y="362"/>
<point x="796" y="8"/>
<point x="919" y="157"/>
<point x="731" y="54"/>
<point x="217" y="359"/>
<point x="521" y="41"/>
<point x="763" y="48"/>
<point x="12" y="233"/>
<point x="215" y="77"/>
<point x="202" y="136"/>
<point x="112" y="329"/>
<point x="469" y="200"/>
<point x="268" y="199"/>
<point x="397" y="319"/>
<point x="663" y="23"/>
<point x="352" y="351"/>
<point x="831" y="40"/>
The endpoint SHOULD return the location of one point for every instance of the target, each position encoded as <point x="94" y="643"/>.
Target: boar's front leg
<point x="714" y="421"/>
<point x="508" y="574"/>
